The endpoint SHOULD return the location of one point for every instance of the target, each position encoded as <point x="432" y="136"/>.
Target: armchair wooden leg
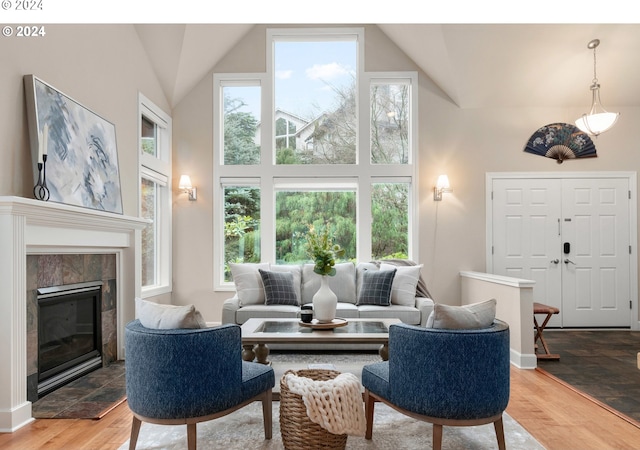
<point x="191" y="436"/>
<point x="267" y="403"/>
<point x="499" y="426"/>
<point x="135" y="430"/>
<point x="437" y="437"/>
<point x="369" y="404"/>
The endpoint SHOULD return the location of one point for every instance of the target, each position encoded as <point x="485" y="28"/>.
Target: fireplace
<point x="71" y="318"/>
<point x="69" y="333"/>
<point x="33" y="236"/>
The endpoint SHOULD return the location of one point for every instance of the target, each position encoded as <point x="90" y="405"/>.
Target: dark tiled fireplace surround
<point x="59" y="270"/>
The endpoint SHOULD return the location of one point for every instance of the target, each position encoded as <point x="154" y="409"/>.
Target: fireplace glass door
<point x="69" y="333"/>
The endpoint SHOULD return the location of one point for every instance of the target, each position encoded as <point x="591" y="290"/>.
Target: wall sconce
<point x="442" y="186"/>
<point x="185" y="185"/>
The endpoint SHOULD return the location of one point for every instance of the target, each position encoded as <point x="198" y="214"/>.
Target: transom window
<point x="319" y="155"/>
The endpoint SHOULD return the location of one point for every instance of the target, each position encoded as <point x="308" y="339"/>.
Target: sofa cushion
<point x="421" y="288"/>
<point x="249" y="287"/>
<point x="343" y="283"/>
<point x="466" y="317"/>
<point x="407" y="314"/>
<point x="376" y="287"/>
<point x="346" y="310"/>
<point x="403" y="291"/>
<point x="296" y="271"/>
<point x="160" y="316"/>
<point x="266" y="311"/>
<point x="360" y="269"/>
<point x="278" y="288"/>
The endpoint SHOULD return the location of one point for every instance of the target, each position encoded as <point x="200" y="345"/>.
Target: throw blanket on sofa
<point x="336" y="405"/>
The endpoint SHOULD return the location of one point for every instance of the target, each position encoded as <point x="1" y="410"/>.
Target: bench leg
<point x="539" y="329"/>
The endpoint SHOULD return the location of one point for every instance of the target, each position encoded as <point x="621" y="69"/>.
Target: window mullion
<point x="363" y="219"/>
<point x="267" y="220"/>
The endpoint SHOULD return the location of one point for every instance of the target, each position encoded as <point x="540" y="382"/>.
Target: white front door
<point x="526" y="236"/>
<point x="595" y="228"/>
<point x="572" y="237"/>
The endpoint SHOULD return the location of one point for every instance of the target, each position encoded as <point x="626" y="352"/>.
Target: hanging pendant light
<point x="597" y="120"/>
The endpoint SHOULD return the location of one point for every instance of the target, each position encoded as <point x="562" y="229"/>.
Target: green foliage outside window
<point x="297" y="212"/>
<point x="239" y="134"/>
<point x="390" y="227"/>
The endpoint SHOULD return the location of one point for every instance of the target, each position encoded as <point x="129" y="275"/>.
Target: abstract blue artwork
<point x="80" y="147"/>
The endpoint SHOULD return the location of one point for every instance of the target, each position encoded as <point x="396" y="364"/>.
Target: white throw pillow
<point x="249" y="287"/>
<point x="165" y="317"/>
<point x="343" y="283"/>
<point x="403" y="291"/>
<point x="466" y="317"/>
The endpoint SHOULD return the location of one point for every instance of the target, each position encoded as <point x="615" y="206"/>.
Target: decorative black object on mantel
<point x="561" y="141"/>
<point x="40" y="190"/>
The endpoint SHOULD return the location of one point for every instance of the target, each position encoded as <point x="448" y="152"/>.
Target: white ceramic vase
<point x="325" y="302"/>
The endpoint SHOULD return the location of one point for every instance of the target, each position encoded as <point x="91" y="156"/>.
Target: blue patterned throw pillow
<point x="376" y="287"/>
<point x="278" y="288"/>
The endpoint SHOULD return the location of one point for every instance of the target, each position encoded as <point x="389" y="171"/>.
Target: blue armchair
<point x="445" y="377"/>
<point x="186" y="376"/>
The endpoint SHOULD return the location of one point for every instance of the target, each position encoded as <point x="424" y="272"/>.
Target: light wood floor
<point x="557" y="416"/>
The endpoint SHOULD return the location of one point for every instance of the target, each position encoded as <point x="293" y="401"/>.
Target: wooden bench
<point x="539" y="308"/>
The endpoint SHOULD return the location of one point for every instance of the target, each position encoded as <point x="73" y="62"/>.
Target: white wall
<point x="101" y="66"/>
<point x="104" y="67"/>
<point x="465" y="144"/>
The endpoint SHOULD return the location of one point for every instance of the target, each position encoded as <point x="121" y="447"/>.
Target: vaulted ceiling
<point x="475" y="65"/>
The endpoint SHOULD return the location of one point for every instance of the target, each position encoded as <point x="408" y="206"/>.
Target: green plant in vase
<point x="323" y="251"/>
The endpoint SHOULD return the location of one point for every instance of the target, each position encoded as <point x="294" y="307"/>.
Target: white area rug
<point x="243" y="429"/>
<point x="391" y="430"/>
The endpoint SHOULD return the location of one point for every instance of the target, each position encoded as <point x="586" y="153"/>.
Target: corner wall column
<point x="514" y="305"/>
<point x="15" y="410"/>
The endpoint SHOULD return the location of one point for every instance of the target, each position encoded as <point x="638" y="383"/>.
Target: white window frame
<point x="269" y="176"/>
<point x="158" y="170"/>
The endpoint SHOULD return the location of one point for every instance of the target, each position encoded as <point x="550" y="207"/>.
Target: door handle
<point x="567" y="261"/>
<point x="555" y="261"/>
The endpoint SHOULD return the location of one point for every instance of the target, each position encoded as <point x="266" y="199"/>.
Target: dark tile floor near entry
<point x="601" y="363"/>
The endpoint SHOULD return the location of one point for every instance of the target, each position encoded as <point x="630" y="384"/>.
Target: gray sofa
<point x="409" y="301"/>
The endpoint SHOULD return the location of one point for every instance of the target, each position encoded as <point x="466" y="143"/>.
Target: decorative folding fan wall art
<point x="561" y="141"/>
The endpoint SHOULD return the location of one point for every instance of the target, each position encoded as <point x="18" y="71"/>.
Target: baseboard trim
<point x="523" y="360"/>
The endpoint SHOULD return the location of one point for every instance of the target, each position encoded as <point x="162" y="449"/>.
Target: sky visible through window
<point x="304" y="75"/>
<point x="306" y="72"/>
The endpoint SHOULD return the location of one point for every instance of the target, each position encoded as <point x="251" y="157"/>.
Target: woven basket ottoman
<point x="297" y="430"/>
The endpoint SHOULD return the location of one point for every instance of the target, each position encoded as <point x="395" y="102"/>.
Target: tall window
<point x="155" y="197"/>
<point x="318" y="154"/>
<point x="241" y="224"/>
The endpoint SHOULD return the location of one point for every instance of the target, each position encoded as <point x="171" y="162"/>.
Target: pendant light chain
<point x="595" y="77"/>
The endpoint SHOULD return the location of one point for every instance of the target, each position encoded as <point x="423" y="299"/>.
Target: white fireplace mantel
<point x="30" y="226"/>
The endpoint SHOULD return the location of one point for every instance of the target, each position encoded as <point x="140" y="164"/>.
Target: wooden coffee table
<point x="257" y="333"/>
